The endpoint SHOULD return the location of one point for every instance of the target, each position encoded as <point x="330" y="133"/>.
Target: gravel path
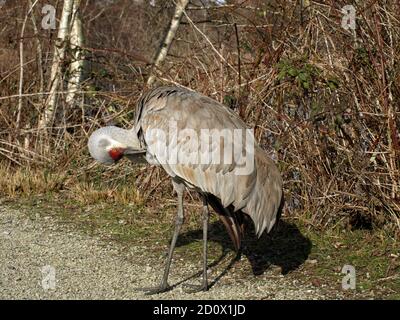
<point x="35" y="252"/>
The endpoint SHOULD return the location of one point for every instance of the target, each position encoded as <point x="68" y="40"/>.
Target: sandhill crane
<point x="173" y="129"/>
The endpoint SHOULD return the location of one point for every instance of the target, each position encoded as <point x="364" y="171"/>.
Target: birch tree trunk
<point x="59" y="55"/>
<point x="163" y="51"/>
<point x="77" y="67"/>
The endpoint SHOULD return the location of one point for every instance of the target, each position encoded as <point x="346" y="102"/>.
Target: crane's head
<point x="109" y="144"/>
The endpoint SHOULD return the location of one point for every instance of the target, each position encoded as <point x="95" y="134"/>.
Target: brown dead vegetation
<point x="324" y="101"/>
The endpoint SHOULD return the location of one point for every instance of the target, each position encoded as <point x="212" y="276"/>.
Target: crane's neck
<point x="123" y="138"/>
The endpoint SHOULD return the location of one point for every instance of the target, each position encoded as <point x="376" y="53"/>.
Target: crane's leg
<point x="204" y="285"/>
<point x="179" y="188"/>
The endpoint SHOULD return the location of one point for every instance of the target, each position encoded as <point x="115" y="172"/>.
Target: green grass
<point x="374" y="255"/>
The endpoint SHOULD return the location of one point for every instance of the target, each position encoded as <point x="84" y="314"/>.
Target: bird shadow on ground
<point x="285" y="246"/>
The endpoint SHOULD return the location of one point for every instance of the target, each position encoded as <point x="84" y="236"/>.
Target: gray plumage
<point x="257" y="193"/>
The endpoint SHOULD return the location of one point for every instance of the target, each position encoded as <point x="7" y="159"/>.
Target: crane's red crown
<point x="116" y="153"/>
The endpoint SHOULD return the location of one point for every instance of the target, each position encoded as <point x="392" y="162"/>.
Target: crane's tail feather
<point x="233" y="221"/>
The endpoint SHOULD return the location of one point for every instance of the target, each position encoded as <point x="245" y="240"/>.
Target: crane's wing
<point x="185" y="131"/>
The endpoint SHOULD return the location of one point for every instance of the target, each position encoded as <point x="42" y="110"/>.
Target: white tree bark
<point x="77" y="67"/>
<point x="162" y="53"/>
<point x="59" y="55"/>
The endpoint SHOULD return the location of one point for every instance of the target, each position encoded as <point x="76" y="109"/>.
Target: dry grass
<point x="86" y="194"/>
<point x="26" y="182"/>
<point x="19" y="182"/>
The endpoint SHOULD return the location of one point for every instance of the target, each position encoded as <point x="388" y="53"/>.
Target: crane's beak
<point x="136" y="156"/>
<point x="129" y="151"/>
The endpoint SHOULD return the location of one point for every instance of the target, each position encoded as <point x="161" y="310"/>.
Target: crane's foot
<point x="193" y="288"/>
<point x="155" y="290"/>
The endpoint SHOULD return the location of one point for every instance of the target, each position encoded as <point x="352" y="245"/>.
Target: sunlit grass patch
<point x="28" y="182"/>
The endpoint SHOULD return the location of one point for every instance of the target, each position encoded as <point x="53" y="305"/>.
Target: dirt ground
<point x="41" y="259"/>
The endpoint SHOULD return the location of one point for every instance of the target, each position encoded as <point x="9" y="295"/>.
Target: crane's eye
<point x="116" y="153"/>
